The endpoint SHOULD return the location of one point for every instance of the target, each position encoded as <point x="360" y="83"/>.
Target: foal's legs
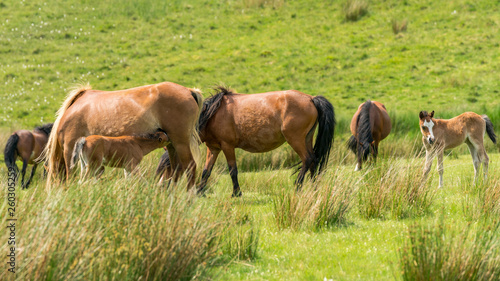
<point x="233" y="170"/>
<point x="429" y="156"/>
<point x="212" y="154"/>
<point x="440" y="166"/>
<point x="475" y="158"/>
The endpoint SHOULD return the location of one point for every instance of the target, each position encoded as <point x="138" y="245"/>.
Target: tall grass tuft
<point x="355" y="9"/>
<point x="437" y="252"/>
<point x="399" y="26"/>
<point x="117" y="229"/>
<point x="240" y="237"/>
<point x="482" y="199"/>
<point x="275" y="4"/>
<point x="395" y="188"/>
<point x="318" y="205"/>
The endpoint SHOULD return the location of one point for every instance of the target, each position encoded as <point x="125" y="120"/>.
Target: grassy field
<point x="379" y="224"/>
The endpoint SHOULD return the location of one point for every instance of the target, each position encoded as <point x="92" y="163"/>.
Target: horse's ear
<point x="432" y="114"/>
<point x="421" y="115"/>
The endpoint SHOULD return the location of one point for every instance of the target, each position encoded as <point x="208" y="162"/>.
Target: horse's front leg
<point x="440" y="167"/>
<point x="233" y="170"/>
<point x="212" y="154"/>
<point x="429" y="156"/>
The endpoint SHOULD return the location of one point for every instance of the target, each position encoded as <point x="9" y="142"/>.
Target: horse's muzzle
<point x="430" y="140"/>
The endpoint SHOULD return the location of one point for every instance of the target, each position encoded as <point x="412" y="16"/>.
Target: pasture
<point x="378" y="224"/>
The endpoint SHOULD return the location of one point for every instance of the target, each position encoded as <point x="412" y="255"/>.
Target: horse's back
<point x="255" y="122"/>
<point x="383" y="121"/>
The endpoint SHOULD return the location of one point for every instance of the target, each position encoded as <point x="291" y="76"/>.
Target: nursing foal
<point x="439" y="134"/>
<point x="126" y="152"/>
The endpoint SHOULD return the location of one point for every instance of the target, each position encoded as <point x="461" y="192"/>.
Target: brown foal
<point x="439" y="134"/>
<point x="126" y="152"/>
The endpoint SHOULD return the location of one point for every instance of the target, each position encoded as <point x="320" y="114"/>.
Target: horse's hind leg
<point x="233" y="169"/>
<point x="23" y="172"/>
<point x="307" y="158"/>
<point x="32" y="174"/>
<point x="212" y="154"/>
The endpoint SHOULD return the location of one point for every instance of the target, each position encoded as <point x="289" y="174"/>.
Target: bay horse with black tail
<point x="27" y="146"/>
<point x="263" y="122"/>
<point x="95" y="152"/>
<point x="168" y="106"/>
<point x="440" y="134"/>
<point x="369" y="125"/>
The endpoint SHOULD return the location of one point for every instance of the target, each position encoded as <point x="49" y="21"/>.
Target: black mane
<point x="211" y="105"/>
<point x="45" y="128"/>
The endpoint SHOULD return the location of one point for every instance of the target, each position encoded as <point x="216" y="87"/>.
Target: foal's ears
<point x="421" y="115"/>
<point x="432" y="114"/>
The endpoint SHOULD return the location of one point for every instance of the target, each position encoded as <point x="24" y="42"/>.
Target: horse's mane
<point x="45" y="128"/>
<point x="364" y="131"/>
<point x="211" y="105"/>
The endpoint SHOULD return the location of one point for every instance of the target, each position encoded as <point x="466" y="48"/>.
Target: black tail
<point x="211" y="105"/>
<point x="489" y="129"/>
<point x="164" y="164"/>
<point x="352" y="144"/>
<point x="326" y="130"/>
<point x="10" y="153"/>
<point x="364" y="131"/>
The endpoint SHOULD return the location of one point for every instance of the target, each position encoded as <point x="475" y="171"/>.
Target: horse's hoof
<point x="237" y="194"/>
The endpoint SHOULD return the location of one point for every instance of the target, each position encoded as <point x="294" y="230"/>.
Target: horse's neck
<point x="147" y="145"/>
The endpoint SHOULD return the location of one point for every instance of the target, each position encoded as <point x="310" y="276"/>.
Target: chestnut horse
<point x="28" y="146"/>
<point x="439" y="134"/>
<point x="369" y="125"/>
<point x="168" y="106"/>
<point x="261" y="123"/>
<point x="125" y="152"/>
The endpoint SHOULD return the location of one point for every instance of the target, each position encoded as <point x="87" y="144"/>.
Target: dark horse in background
<point x="27" y="146"/>
<point x="369" y="125"/>
<point x="261" y="123"/>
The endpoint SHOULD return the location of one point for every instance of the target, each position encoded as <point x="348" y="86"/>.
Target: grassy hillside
<point x="447" y="60"/>
<point x="383" y="223"/>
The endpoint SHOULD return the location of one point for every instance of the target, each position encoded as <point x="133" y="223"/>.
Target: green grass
<point x="446" y="60"/>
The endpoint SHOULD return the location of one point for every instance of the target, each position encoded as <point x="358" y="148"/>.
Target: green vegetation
<point x="378" y="224"/>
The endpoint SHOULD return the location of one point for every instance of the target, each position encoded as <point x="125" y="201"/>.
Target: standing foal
<point x="439" y="134"/>
<point x="126" y="152"/>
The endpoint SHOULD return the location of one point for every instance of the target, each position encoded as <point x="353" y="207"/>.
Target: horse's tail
<point x="164" y="164"/>
<point x="10" y="153"/>
<point x="52" y="153"/>
<point x="489" y="129"/>
<point x="364" y="131"/>
<point x="77" y="151"/>
<point x="195" y="141"/>
<point x="326" y="129"/>
<point x="352" y="144"/>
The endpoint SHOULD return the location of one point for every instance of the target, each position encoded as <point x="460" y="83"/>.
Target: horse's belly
<point x="261" y="142"/>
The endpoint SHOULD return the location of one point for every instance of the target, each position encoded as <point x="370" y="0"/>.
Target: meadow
<point x="385" y="222"/>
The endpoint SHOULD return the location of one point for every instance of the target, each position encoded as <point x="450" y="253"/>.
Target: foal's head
<point x="426" y="124"/>
<point x="162" y="137"/>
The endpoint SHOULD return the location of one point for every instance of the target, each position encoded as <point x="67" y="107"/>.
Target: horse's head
<point x="426" y="124"/>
